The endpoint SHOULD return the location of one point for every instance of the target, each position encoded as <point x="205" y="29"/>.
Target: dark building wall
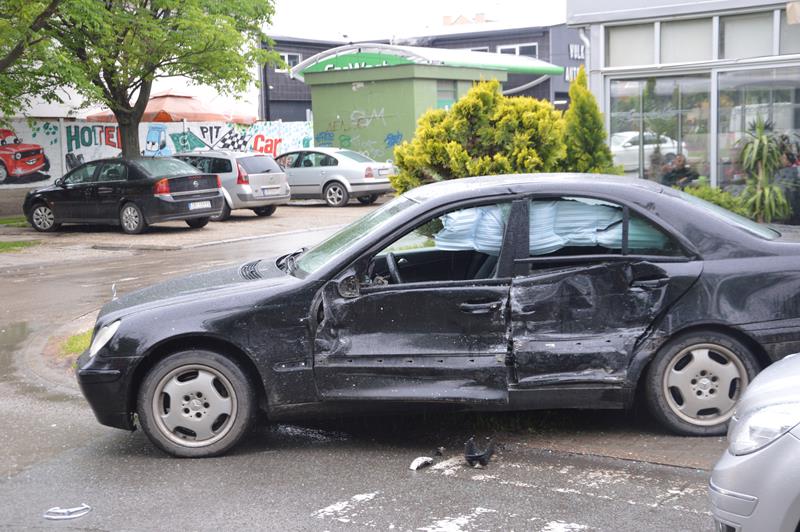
<point x="290" y="110"/>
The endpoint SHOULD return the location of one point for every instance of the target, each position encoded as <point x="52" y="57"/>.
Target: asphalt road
<point x="331" y="475"/>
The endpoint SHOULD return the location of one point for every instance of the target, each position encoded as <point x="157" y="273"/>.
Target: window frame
<point x="516" y="47"/>
<point x="688" y="250"/>
<point x="97" y="165"/>
<point x="285" y="58"/>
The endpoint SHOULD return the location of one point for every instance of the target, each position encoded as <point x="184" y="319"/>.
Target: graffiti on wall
<point x="49" y="149"/>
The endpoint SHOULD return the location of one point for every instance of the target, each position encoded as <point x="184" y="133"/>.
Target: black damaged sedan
<point x="493" y="293"/>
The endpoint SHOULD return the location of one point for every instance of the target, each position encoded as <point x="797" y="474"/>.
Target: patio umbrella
<point x="172" y="107"/>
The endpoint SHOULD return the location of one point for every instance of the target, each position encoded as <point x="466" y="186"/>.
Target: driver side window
<point x="84" y="174"/>
<point x="463" y="244"/>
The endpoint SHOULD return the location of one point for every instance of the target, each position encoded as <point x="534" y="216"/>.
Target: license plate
<point x="194" y="205"/>
<point x="266" y="191"/>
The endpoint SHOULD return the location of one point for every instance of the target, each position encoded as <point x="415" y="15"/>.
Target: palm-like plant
<point x="761" y="158"/>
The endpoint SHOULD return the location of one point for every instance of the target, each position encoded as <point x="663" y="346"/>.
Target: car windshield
<point x="336" y="245"/>
<point x="731" y="217"/>
<point x="359" y="158"/>
<point x="166" y="167"/>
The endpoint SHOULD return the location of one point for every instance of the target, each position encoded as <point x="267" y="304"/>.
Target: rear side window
<point x="259" y="164"/>
<point x="209" y="165"/>
<point x="583" y="226"/>
<point x="165" y="167"/>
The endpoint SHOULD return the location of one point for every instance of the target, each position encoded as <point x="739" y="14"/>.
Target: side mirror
<point x="349" y="287"/>
<point x="59" y="182"/>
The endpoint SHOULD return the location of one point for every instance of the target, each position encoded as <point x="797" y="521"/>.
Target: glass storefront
<point x="655" y="119"/>
<point x="772" y="94"/>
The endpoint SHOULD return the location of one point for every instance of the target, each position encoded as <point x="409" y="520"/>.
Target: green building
<point x="368" y="97"/>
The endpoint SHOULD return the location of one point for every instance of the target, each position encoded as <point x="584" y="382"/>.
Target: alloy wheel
<point x="334" y="194"/>
<point x="43" y="217"/>
<point x="194" y="406"/>
<point x="702" y="383"/>
<point x="130" y="218"/>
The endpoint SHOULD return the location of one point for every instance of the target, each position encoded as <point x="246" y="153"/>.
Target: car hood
<point x="245" y="277"/>
<point x="776" y="384"/>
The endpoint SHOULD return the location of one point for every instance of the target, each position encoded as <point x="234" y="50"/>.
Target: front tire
<point x="131" y="219"/>
<point x="196" y="404"/>
<point x="694" y="381"/>
<point x="197" y="223"/>
<point x="3" y="173"/>
<point x="335" y="194"/>
<point x="43" y="219"/>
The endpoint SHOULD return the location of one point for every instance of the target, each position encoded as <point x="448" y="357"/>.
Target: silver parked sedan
<point x="335" y="175"/>
<point x="755" y="485"/>
<point x="249" y="180"/>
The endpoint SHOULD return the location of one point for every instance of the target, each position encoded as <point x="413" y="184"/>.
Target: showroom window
<point x="742" y="36"/>
<point x="527" y="50"/>
<point x="770" y="93"/>
<point x="653" y="120"/>
<point x="445" y="93"/>
<point x="686" y="40"/>
<point x="629" y="45"/>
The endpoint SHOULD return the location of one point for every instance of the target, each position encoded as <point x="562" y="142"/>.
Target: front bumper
<point x="168" y="208"/>
<point x="104" y="383"/>
<point x="30" y="165"/>
<point x="758" y="491"/>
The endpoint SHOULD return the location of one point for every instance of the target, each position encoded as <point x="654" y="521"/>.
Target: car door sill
<point x="594" y="396"/>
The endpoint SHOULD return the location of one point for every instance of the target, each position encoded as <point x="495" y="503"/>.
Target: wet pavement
<point x="553" y="470"/>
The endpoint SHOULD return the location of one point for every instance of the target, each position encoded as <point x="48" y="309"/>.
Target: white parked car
<point x="249" y="180"/>
<point x="335" y="175"/>
<point x="625" y="148"/>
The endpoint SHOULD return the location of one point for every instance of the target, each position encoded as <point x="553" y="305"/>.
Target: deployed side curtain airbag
<point x="578" y="222"/>
<point x="479" y="229"/>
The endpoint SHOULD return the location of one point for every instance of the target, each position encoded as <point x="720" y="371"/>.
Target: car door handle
<point x="480" y="308"/>
<point x="650" y="283"/>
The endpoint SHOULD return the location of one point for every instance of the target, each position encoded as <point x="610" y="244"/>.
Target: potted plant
<point x="760" y="158"/>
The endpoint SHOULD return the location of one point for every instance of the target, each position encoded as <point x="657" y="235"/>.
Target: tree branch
<point x="38" y="24"/>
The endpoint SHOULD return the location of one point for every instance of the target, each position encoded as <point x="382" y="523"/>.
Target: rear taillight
<point x="219" y="182"/>
<point x="161" y="187"/>
<point x="368" y="172"/>
<point x="242" y="178"/>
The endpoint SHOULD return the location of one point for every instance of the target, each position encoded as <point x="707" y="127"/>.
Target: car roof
<point x="221" y="153"/>
<point x="563" y="183"/>
<point x="328" y="150"/>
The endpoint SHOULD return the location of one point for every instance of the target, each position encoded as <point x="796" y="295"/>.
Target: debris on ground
<point x="420" y="462"/>
<point x="474" y="456"/>
<point x="57" y="513"/>
<point x="439" y="451"/>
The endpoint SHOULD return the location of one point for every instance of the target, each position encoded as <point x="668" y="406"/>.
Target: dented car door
<point x="580" y="323"/>
<point x="444" y="341"/>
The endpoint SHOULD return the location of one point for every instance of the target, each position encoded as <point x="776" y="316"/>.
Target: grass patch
<point x="76" y="344"/>
<point x="13" y="221"/>
<point x="16" y="245"/>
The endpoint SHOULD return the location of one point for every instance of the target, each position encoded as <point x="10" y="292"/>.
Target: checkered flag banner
<point x="232" y="140"/>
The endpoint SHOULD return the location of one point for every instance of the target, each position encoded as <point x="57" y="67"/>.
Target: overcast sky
<point x="362" y="20"/>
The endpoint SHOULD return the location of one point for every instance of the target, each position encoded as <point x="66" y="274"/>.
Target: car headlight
<point x="102" y="337"/>
<point x="762" y="427"/>
<point x="18" y="156"/>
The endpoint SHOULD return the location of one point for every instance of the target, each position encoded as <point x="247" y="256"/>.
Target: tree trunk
<point x="129" y="137"/>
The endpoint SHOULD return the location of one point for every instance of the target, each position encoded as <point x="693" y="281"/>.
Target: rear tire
<point x="368" y="200"/>
<point x="335" y="194"/>
<point x="694" y="381"/>
<point x="42" y="218"/>
<point x="196" y="404"/>
<point x="224" y="214"/>
<point x="197" y="223"/>
<point x="269" y="210"/>
<point x="131" y="219"/>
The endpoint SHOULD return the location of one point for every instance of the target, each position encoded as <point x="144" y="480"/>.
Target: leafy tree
<point x="760" y="157"/>
<point x="585" y="135"/>
<point x="121" y="46"/>
<point x="718" y="197"/>
<point x="483" y="133"/>
<point x="29" y="63"/>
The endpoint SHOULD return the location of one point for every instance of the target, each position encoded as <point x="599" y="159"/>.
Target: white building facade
<point x="674" y="77"/>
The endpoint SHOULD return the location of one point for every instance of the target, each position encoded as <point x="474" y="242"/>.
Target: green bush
<point x="719" y="197"/>
<point x="484" y="133"/>
<point x="585" y="135"/>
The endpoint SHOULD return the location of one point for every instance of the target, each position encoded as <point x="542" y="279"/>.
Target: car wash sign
<point x="357" y="61"/>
